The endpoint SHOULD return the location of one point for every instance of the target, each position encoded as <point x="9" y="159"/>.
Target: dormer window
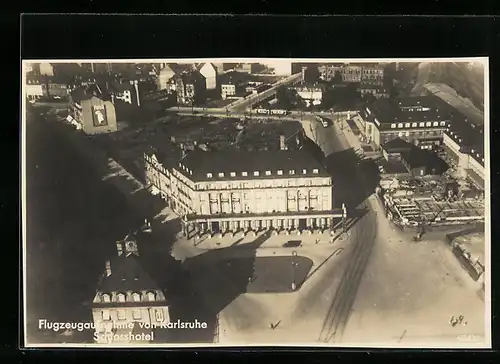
<point x="136" y="297"/>
<point x="244" y="174"/>
<point x="151" y="296"/>
<point x="435" y="123"/>
<point x="292" y="171"/>
<point x="233" y="174"/>
<point x="407" y="125"/>
<point x="280" y="172"/>
<point x="400" y="125"/>
<point x="304" y="171"/>
<point x="428" y="123"/>
<point x="106" y="298"/>
<point x="256" y="173"/>
<point x="315" y="171"/>
<point x="209" y="175"/>
<point x="120" y="297"/>
<point x="268" y="173"/>
<point x="221" y="174"/>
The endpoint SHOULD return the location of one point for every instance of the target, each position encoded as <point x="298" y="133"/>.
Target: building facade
<point x="34" y="89"/>
<point x="128" y="306"/>
<point x="463" y="144"/>
<point x="164" y="76"/>
<point x="372" y="74"/>
<point x="191" y="88"/>
<point x="93" y="114"/>
<point x="418" y="120"/>
<point x="232" y="191"/>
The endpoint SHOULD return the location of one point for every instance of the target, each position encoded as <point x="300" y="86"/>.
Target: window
<point x="209" y="175"/>
<point x="292" y="171"/>
<point x="428" y="123"/>
<point x="159" y="315"/>
<point x="304" y="171"/>
<point x="400" y="134"/>
<point x="407" y="125"/>
<point x="280" y="172"/>
<point x="400" y="125"/>
<point x="106" y="298"/>
<point x="221" y="174"/>
<point x="105" y="315"/>
<point x="435" y="123"/>
<point x="120" y="297"/>
<point x="136" y="314"/>
<point x="414" y="125"/>
<point x="421" y="125"/>
<point x="151" y="296"/>
<point x="244" y="174"/>
<point x="442" y="123"/>
<point x="315" y="171"/>
<point x="121" y="315"/>
<point x="233" y="174"/>
<point x="268" y="173"/>
<point x="256" y="173"/>
<point x="393" y="126"/>
<point x="136" y="297"/>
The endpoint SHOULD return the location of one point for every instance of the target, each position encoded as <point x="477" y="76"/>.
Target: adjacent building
<point x="234" y="85"/>
<point x="191" y="88"/>
<point x="92" y="114"/>
<point x="379" y="92"/>
<point x="311" y="95"/>
<point x="403" y="157"/>
<point x="463" y="143"/>
<point x="232" y="190"/>
<point x="127" y="92"/>
<point x="353" y="73"/>
<point x="418" y="120"/>
<point x="34" y="88"/>
<point x="372" y="74"/>
<point x="128" y="306"/>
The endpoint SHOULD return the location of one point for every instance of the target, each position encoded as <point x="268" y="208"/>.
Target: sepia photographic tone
<point x="256" y="202"/>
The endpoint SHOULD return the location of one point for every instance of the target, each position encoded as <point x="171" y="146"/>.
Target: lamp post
<point x="294" y="266"/>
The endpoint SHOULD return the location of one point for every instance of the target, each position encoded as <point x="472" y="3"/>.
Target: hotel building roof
<point x="241" y="165"/>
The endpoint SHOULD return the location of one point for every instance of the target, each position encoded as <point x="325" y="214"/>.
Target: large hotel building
<point x="231" y="190"/>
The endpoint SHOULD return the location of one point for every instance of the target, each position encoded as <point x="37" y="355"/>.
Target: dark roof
<point x="189" y="77"/>
<point x="120" y="87"/>
<point x="234" y="78"/>
<point x="417" y="158"/>
<point x="79" y="94"/>
<point x="167" y="153"/>
<point x="397" y="110"/>
<point x="199" y="163"/>
<point x="127" y="274"/>
<point x="469" y="136"/>
<point x="397" y="145"/>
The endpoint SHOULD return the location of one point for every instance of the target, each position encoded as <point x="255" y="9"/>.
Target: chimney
<point x="108" y="268"/>
<point x="119" y="247"/>
<point x="282" y="142"/>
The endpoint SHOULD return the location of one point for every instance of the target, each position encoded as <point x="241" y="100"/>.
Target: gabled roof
<point x="127" y="274"/>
